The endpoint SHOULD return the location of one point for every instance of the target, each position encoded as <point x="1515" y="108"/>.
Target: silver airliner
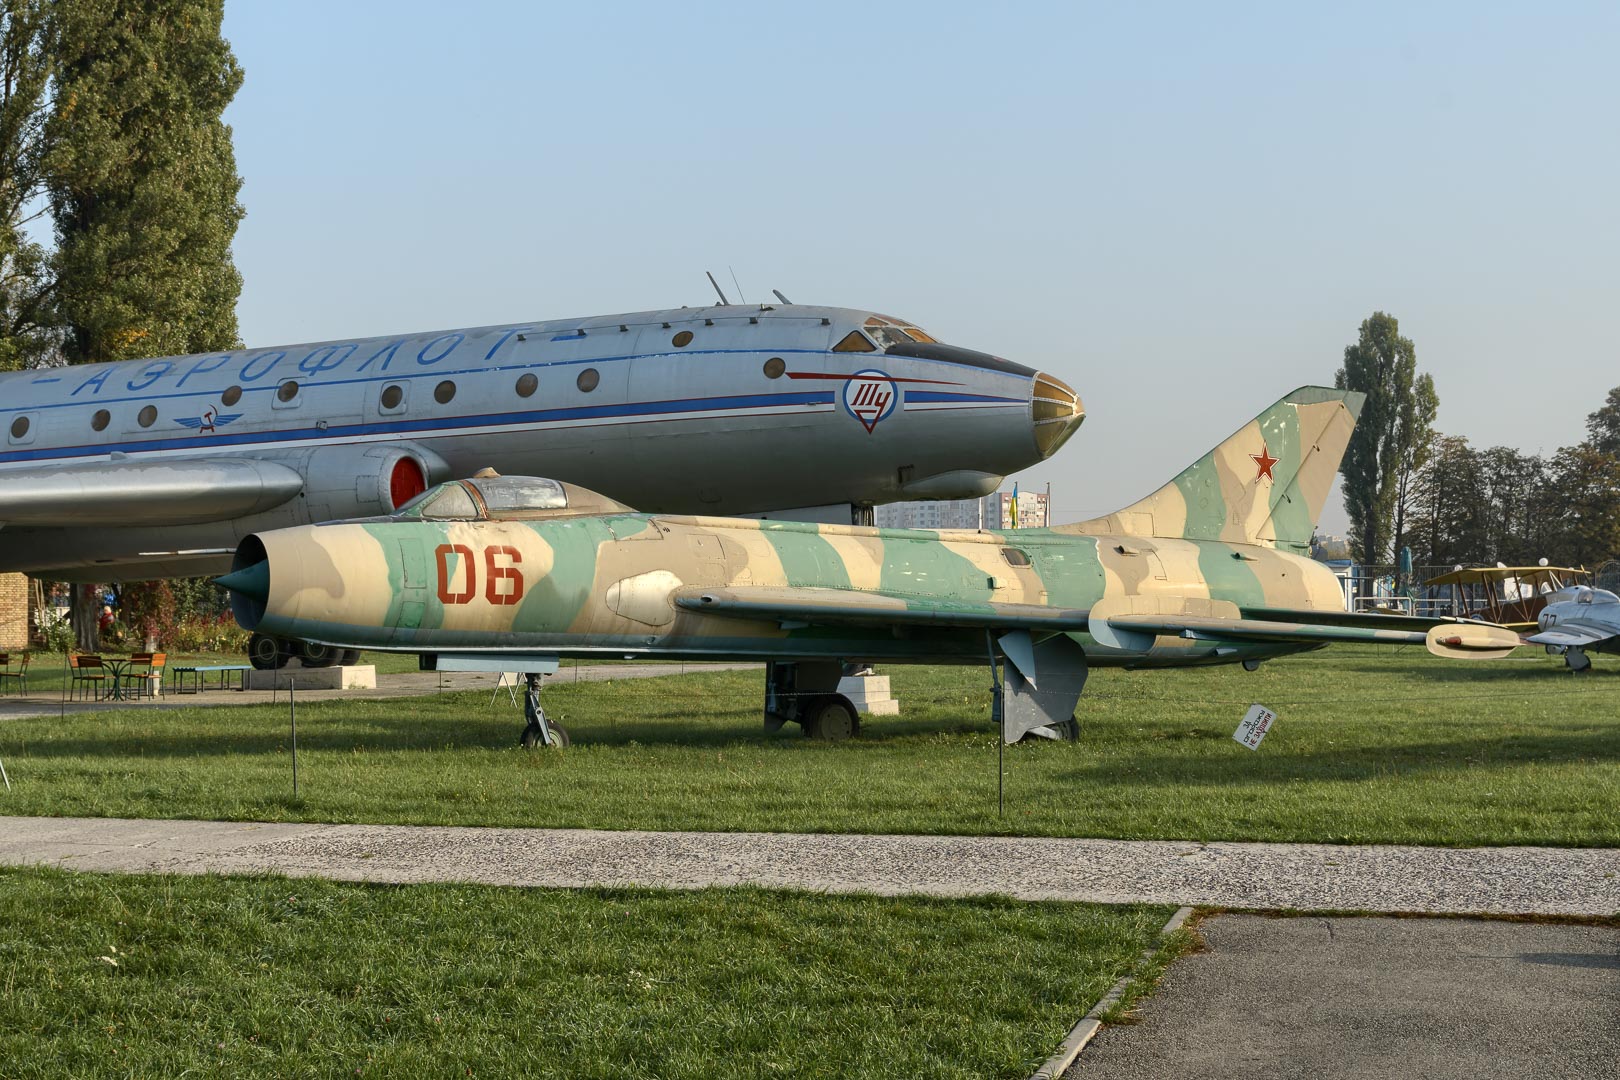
<point x="154" y="468"/>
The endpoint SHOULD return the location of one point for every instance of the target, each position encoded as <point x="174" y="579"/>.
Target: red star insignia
<point x="1265" y="461"/>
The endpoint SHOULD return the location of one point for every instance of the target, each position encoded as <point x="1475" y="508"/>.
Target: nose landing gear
<point x="538" y="731"/>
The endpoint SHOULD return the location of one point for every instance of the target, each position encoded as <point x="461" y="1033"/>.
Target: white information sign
<point x="1256" y="722"/>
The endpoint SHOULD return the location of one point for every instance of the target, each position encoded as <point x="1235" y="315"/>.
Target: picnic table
<point x="198" y="673"/>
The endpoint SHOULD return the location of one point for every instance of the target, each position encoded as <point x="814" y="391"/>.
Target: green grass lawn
<point x="1371" y="745"/>
<point x="208" y="976"/>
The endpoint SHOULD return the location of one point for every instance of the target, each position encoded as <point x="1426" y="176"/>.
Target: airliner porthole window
<point x="287" y="390"/>
<point x="774" y="367"/>
<point x="588" y="380"/>
<point x="527" y="384"/>
<point x="231" y="396"/>
<point x="147" y="416"/>
<point x="682" y="339"/>
<point x="445" y="392"/>
<point x="392" y="395"/>
<point x="19" y="427"/>
<point x="100" y="421"/>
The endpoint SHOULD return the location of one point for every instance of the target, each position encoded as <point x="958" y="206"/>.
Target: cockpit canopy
<point x="1589" y="595"/>
<point x="506" y="498"/>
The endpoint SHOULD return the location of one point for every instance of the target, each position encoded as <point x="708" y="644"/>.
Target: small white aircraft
<point x="1577" y="620"/>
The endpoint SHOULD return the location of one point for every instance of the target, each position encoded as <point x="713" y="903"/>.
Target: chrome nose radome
<point x="1056" y="412"/>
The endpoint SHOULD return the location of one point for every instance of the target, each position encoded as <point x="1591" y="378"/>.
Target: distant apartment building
<point x="936" y="514"/>
<point x="998" y="510"/>
<point x="990" y="512"/>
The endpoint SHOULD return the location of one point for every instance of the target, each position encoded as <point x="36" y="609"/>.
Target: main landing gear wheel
<point x="1067" y="731"/>
<point x="349" y="658"/>
<point x="312" y="655"/>
<point x="1578" y="660"/>
<point x="831" y="718"/>
<point x="267" y="653"/>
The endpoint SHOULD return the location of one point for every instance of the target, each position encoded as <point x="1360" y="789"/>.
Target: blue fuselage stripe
<point x="671" y="408"/>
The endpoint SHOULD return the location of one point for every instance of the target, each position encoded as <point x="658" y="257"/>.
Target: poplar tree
<point x="1393" y="437"/>
<point x="142" y="179"/>
<point x="27" y="334"/>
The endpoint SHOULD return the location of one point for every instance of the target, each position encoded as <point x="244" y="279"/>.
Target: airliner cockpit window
<point x="886" y="332"/>
<point x="506" y="494"/>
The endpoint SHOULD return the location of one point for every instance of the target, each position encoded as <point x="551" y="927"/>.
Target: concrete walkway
<point x="1551" y="881"/>
<point x="1364" y="998"/>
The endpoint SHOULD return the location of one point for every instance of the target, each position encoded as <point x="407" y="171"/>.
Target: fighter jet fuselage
<point x="158" y="467"/>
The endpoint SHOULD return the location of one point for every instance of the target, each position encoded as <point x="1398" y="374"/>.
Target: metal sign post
<point x="292" y="716"/>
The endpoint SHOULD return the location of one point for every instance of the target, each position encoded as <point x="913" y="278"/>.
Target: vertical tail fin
<point x="1266" y="484"/>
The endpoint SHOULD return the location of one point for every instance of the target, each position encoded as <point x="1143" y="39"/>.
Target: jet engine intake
<point x="360" y="480"/>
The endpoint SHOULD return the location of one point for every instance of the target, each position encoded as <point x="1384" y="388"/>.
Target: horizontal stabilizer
<point x="120" y="491"/>
<point x="845" y="607"/>
<point x="1569" y="637"/>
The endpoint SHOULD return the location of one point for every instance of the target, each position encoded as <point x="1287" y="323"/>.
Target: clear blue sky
<point x="1183" y="210"/>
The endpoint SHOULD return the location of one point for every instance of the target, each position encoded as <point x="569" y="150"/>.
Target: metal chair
<point x="19" y="673"/>
<point x="143" y="669"/>
<point x="88" y="672"/>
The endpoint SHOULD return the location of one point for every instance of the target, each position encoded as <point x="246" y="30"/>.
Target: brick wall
<point x="13" y="611"/>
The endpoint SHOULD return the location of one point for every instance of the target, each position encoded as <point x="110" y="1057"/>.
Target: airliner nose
<point x="1055" y="410"/>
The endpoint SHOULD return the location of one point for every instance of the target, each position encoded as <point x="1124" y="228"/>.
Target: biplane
<point x="1510" y="596"/>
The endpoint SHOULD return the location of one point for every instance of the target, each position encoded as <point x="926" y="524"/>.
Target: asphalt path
<point x="1550" y="881"/>
<point x="1370" y="998"/>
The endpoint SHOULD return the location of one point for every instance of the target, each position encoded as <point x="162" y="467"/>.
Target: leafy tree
<point x="1603" y="426"/>
<point x="27" y="332"/>
<point x="142" y="184"/>
<point x="142" y="179"/>
<point x="1392" y="439"/>
<point x="1587" y="496"/>
<point x="1452" y="521"/>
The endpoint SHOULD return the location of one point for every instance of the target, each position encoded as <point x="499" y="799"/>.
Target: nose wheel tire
<point x="531" y="735"/>
<point x="830" y="718"/>
<point x="267" y="653"/>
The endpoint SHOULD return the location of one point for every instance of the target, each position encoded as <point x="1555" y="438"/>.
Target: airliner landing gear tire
<point x="830" y="717"/>
<point x="349" y="658"/>
<point x="267" y="653"/>
<point x="312" y="655"/>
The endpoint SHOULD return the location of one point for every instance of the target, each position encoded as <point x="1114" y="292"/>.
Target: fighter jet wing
<point x="1574" y="637"/>
<point x="117" y="491"/>
<point x="844" y="607"/>
<point x="1449" y="638"/>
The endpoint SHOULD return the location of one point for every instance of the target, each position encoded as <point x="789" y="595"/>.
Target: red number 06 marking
<point x="503" y="583"/>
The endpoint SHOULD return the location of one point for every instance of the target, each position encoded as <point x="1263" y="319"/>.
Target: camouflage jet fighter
<point x="494" y="572"/>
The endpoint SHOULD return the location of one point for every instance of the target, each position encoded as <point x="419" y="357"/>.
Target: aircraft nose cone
<point x="1056" y="412"/>
<point x="252" y="581"/>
